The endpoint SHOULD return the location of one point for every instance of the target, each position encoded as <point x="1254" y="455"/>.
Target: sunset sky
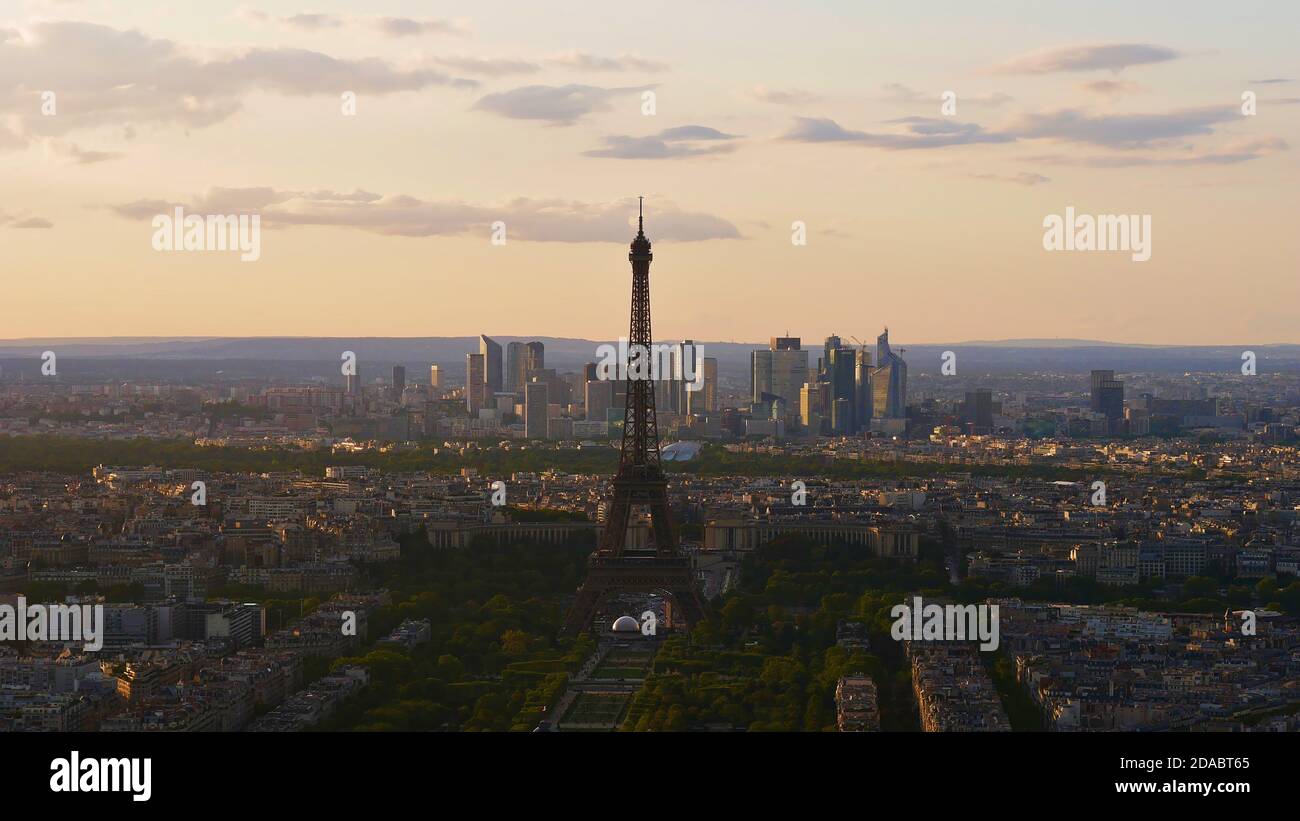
<point x="530" y="113"/>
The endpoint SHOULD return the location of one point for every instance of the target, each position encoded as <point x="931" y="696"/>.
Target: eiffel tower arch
<point x="640" y="482"/>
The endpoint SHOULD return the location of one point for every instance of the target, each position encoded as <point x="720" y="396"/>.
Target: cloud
<point x="1021" y="178"/>
<point x="788" y="96"/>
<point x="583" y="61"/>
<point x="488" y="66"/>
<point x="682" y="141"/>
<point x="526" y="219"/>
<point x="1105" y="57"/>
<point x="558" y="105"/>
<point x="1111" y="88"/>
<point x="1272" y="81"/>
<point x="312" y="22"/>
<point x="1231" y="153"/>
<point x="78" y="155"/>
<point x="1129" y="134"/>
<point x="385" y="26"/>
<point x="108" y="77"/>
<point x="220" y="200"/>
<point x="1122" y="130"/>
<point x="899" y="93"/>
<point x="909" y="133"/>
<point x="33" y="222"/>
<point x="500" y="67"/>
<point x="12" y="221"/>
<point x="405" y="27"/>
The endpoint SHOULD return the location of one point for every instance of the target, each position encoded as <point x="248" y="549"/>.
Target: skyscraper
<point x="353" y="380"/>
<point x="779" y="373"/>
<point x="599" y="399"/>
<point x="491" y="353"/>
<point x="888" y="382"/>
<point x="516" y="366"/>
<point x="687" y="362"/>
<point x="978" y="411"/>
<point x="399" y="382"/>
<point x="862" y="388"/>
<point x="536" y="357"/>
<point x="841" y="373"/>
<point x="435" y="378"/>
<point x="831" y="343"/>
<point x="475" y="387"/>
<point x="535" y="409"/>
<point x="705" y="400"/>
<point x="1098" y="377"/>
<point x="1111" y="403"/>
<point x="812" y="405"/>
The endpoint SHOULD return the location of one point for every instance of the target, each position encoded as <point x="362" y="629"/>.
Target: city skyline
<point x="513" y="118"/>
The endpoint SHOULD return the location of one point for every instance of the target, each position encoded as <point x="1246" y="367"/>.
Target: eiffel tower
<point x="640" y="481"/>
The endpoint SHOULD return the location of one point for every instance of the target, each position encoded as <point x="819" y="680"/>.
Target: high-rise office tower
<point x="435" y="378"/>
<point x="841" y="416"/>
<point x="536" y="356"/>
<point x="665" y="391"/>
<point x="862" y="388"/>
<point x="491" y="353"/>
<point x="1110" y="402"/>
<point x="475" y="387"/>
<point x="353" y="380"/>
<point x="779" y="373"/>
<point x="516" y="366"/>
<point x="556" y="385"/>
<point x="705" y="400"/>
<point x="399" y="382"/>
<point x="1098" y="377"/>
<point x="888" y="382"/>
<point x="832" y="343"/>
<point x="590" y="372"/>
<point x="599" y="399"/>
<point x="841" y="373"/>
<point x="978" y="410"/>
<point x="536" y="400"/>
<point x="813" y="397"/>
<point x="575" y="388"/>
<point x="687" y="362"/>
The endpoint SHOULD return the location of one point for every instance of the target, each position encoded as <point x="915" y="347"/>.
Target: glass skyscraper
<point x="491" y="353"/>
<point x="888" y="382"/>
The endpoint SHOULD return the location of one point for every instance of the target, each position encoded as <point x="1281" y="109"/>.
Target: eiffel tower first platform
<point x="640" y="482"/>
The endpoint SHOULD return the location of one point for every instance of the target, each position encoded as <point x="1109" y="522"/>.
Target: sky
<point x="827" y="114"/>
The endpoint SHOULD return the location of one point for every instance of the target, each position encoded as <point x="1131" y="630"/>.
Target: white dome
<point x="626" y="624"/>
<point x="680" y="451"/>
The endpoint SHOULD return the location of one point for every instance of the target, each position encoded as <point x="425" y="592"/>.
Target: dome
<point x="626" y="624"/>
<point x="680" y="451"/>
